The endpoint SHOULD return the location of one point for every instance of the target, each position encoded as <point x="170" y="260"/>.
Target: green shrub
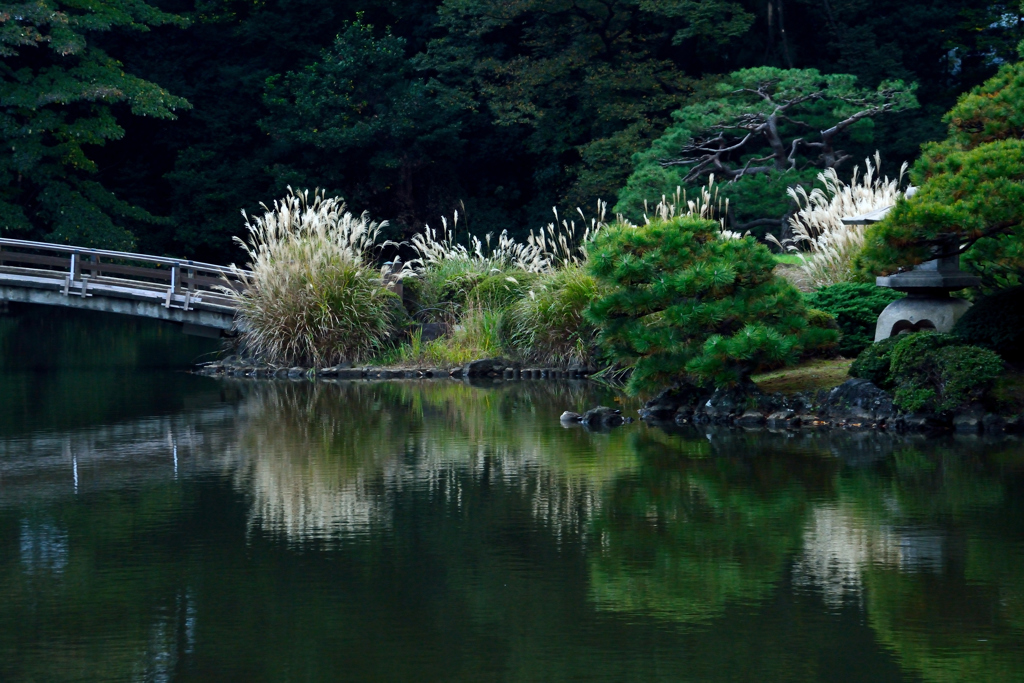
<point x="938" y="372"/>
<point x="819" y="319"/>
<point x="682" y="300"/>
<point x="996" y="322"/>
<point x="548" y="325"/>
<point x="913" y="350"/>
<point x="873" y="362"/>
<point x="445" y="285"/>
<point x="856" y="307"/>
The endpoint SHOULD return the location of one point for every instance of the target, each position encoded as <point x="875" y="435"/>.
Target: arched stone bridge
<point x="176" y="290"/>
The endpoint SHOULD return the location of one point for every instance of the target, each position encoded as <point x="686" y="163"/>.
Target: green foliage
<point x="996" y="322"/>
<point x="938" y="372"/>
<point x="873" y="362"/>
<point x="501" y="290"/>
<point x="543" y="102"/>
<point x="580" y="85"/>
<point x="773" y="122"/>
<point x="682" y="300"/>
<point x="548" y="325"/>
<point x="971" y="193"/>
<point x="58" y="91"/>
<point x="362" y="102"/>
<point x="856" y="307"/>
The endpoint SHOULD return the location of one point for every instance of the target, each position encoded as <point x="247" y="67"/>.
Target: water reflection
<point x="43" y="546"/>
<point x="432" y="530"/>
<point x="327" y="461"/>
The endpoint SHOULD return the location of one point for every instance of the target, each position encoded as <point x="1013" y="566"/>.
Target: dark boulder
<point x="728" y="403"/>
<point x="602" y="416"/>
<point x="751" y="418"/>
<point x="969" y="421"/>
<point x="665" y="405"/>
<point x="486" y="366"/>
<point x="858" y="400"/>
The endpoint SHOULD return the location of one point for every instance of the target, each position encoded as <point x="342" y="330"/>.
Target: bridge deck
<point x="192" y="293"/>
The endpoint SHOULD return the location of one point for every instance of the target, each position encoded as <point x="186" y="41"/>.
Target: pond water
<point x="158" y="526"/>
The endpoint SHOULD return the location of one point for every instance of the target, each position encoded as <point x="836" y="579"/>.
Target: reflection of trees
<point x="97" y="368"/>
<point x="75" y="606"/>
<point x="931" y="538"/>
<point x="702" y="528"/>
<point x="327" y="460"/>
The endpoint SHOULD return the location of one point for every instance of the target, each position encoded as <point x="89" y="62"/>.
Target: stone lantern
<point x="928" y="305"/>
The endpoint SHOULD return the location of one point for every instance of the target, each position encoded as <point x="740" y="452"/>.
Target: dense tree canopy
<point x="58" y="93"/>
<point x="505" y="108"/>
<point x="360" y="118"/>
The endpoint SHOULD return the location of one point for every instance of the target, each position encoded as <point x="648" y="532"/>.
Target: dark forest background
<point x="500" y="109"/>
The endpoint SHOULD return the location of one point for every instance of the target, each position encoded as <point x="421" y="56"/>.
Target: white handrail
<point x="125" y="255"/>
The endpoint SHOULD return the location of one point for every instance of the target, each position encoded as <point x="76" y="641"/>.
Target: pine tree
<point x="686" y="302"/>
<point x="762" y="129"/>
<point x="971" y="191"/>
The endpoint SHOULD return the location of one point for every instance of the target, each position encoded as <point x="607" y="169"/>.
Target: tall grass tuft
<point x="548" y="325"/>
<point x="311" y="296"/>
<point x="825" y="245"/>
<point x="562" y="242"/>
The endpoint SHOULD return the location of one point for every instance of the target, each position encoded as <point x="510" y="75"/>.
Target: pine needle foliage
<point x="311" y="296"/>
<point x="971" y="196"/>
<point x="682" y="302"/>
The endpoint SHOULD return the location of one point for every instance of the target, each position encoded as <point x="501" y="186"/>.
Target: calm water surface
<point x="156" y="526"/>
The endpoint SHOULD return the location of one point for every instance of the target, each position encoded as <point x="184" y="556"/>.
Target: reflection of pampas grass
<point x="818" y="226"/>
<point x="320" y="462"/>
<point x="311" y="296"/>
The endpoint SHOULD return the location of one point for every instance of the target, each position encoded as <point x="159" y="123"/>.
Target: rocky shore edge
<point x="854" y="404"/>
<point x="485" y="368"/>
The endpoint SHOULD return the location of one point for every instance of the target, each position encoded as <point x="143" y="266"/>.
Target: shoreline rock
<point x="854" y="404"/>
<point x="493" y="369"/>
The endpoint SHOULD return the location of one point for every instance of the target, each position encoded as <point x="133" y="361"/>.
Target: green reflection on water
<point x="437" y="531"/>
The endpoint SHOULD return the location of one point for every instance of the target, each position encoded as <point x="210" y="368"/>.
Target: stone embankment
<point x="855" y="404"/>
<point x="487" y="368"/>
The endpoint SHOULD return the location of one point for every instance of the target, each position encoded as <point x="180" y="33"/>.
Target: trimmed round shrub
<point x="823" y="321"/>
<point x="682" y="301"/>
<point x="856" y="307"/>
<point x="996" y="322"/>
<point x="938" y="372"/>
<point x="548" y="325"/>
<point x="873" y="362"/>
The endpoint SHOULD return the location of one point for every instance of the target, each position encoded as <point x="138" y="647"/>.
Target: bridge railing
<point x="78" y="267"/>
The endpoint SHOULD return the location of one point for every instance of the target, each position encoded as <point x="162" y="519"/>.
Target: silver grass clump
<point x="560" y="243"/>
<point x="825" y="245"/>
<point x="311" y="294"/>
<point x="707" y="206"/>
